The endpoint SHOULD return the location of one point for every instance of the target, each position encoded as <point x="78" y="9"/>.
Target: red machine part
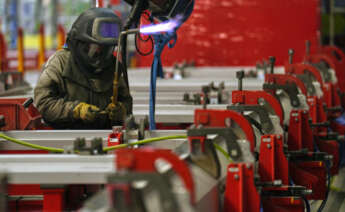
<point x="273" y="164"/>
<point x="300" y="135"/>
<point x="240" y="191"/>
<point x="316" y="111"/>
<point x="285" y="78"/>
<point x="3" y="52"/>
<point x="17" y="117"/>
<point x="143" y="159"/>
<point x="288" y="204"/>
<point x="330" y="94"/>
<point x="223" y="118"/>
<point x="116" y="137"/>
<point x="335" y="58"/>
<point x="253" y="97"/>
<point x="53" y="198"/>
<point x="311" y="175"/>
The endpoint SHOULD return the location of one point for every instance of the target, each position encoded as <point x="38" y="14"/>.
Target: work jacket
<point x="62" y="86"/>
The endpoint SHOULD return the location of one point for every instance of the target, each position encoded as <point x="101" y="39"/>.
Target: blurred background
<point x="221" y="33"/>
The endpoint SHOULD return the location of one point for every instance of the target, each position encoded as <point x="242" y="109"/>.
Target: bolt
<point x="307" y="47"/>
<point x="272" y="62"/>
<point x="240" y="76"/>
<point x="291" y="53"/>
<point x="236" y="177"/>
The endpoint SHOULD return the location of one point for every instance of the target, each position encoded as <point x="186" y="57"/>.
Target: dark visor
<point x="109" y="30"/>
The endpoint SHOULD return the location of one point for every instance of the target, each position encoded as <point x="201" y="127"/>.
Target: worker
<point x="75" y="88"/>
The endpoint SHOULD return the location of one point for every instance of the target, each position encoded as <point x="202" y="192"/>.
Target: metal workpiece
<point x="57" y="169"/>
<point x="51" y="138"/>
<point x="191" y="85"/>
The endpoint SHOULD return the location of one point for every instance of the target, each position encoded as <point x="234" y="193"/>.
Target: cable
<point x="306" y="202"/>
<point x="27" y="144"/>
<point x="221" y="150"/>
<point x="145" y="141"/>
<point x="149" y="38"/>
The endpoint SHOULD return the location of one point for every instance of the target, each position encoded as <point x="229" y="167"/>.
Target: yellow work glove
<point x="116" y="113"/>
<point x="85" y="112"/>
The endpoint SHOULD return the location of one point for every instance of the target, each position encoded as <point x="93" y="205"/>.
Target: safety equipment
<point x="116" y="112"/>
<point x="85" y="112"/>
<point x="93" y="37"/>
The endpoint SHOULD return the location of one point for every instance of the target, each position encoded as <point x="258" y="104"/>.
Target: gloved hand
<point x="85" y="112"/>
<point x="116" y="113"/>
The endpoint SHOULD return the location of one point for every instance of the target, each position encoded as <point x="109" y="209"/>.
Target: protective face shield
<point x="93" y="37"/>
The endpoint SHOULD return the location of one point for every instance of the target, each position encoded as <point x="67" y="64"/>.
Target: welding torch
<point x="116" y="77"/>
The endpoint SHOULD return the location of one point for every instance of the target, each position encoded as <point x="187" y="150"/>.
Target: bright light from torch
<point x="167" y="26"/>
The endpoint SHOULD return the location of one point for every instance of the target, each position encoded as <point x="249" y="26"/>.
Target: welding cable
<point x="151" y="140"/>
<point x="307" y="205"/>
<point x="306" y="202"/>
<point x="145" y="141"/>
<point x="27" y="144"/>
<point x="221" y="150"/>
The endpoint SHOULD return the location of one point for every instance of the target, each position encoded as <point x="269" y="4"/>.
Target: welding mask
<point x="93" y="38"/>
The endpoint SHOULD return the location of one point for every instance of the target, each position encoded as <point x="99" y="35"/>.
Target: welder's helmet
<point x="93" y="37"/>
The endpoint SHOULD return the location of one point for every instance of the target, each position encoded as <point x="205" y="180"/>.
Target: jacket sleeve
<point x="48" y="95"/>
<point x="124" y="96"/>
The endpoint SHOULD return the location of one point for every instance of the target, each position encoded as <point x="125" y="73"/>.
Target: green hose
<point x="221" y="150"/>
<point x="27" y="144"/>
<point x="149" y="140"/>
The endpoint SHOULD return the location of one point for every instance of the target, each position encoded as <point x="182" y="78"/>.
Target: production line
<point x="202" y="139"/>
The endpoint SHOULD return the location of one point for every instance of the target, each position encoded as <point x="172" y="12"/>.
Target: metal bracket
<point x="308" y="82"/>
<point x="303" y="156"/>
<point x="95" y="148"/>
<point x="288" y="191"/>
<point x="124" y="194"/>
<point x="265" y="120"/>
<point x="289" y="88"/>
<point x="229" y="136"/>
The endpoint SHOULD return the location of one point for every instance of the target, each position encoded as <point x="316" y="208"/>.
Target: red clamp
<point x="286" y="78"/>
<point x="273" y="164"/>
<point x="240" y="191"/>
<point x="116" y="137"/>
<point x="300" y="135"/>
<point x="254" y="98"/>
<point x="224" y="118"/>
<point x="144" y="160"/>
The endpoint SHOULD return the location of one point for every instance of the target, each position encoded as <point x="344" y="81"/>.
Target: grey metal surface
<point x="57" y="169"/>
<point x="51" y="138"/>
